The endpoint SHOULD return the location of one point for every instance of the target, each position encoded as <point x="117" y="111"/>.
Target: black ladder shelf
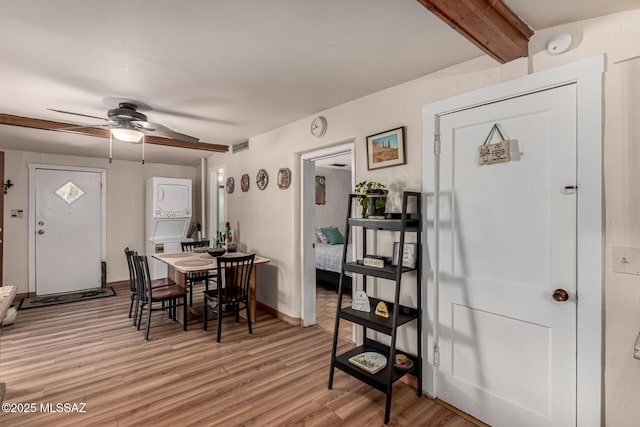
<point x="399" y="314"/>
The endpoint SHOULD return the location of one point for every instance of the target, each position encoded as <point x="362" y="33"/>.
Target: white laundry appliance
<point x="168" y="217"/>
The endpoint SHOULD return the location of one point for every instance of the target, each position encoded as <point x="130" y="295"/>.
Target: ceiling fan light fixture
<point x="127" y="135"/>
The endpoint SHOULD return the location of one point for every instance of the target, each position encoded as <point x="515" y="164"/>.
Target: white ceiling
<point x="221" y="70"/>
<point x="340" y="161"/>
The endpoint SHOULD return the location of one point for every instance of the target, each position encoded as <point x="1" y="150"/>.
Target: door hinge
<point x="436" y="355"/>
<point x="436" y="144"/>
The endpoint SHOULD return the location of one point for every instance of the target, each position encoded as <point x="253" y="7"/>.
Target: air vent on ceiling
<point x="240" y="146"/>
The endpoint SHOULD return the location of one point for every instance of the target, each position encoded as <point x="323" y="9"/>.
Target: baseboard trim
<point x="119" y="283"/>
<point x="462" y="414"/>
<point x="293" y="321"/>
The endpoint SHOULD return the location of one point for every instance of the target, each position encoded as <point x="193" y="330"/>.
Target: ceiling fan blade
<point x="105" y="126"/>
<point x="77" y="114"/>
<point x="156" y="129"/>
<point x="103" y="132"/>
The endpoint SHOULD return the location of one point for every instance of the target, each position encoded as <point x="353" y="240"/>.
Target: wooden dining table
<point x="181" y="263"/>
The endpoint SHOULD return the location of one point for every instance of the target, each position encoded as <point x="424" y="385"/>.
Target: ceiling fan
<point x="124" y="123"/>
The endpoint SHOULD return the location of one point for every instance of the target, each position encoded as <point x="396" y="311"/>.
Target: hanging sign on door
<point x="497" y="152"/>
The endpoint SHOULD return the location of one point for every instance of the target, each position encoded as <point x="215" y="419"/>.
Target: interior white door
<point x="68" y="237"/>
<point x="507" y="241"/>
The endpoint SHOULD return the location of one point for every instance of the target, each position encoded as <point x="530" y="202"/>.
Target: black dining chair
<point x="133" y="284"/>
<point x="148" y="295"/>
<point x="232" y="291"/>
<point x="196" y="277"/>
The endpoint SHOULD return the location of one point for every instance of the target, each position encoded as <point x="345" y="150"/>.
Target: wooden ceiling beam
<point x="489" y="24"/>
<point x="28" y="122"/>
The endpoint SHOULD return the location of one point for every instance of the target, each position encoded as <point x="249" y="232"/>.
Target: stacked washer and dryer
<point x="168" y="218"/>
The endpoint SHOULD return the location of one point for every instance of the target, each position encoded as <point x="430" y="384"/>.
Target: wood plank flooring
<point x="88" y="352"/>
<point x="326" y="304"/>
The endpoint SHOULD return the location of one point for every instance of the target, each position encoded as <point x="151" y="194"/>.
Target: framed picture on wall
<point x="320" y="190"/>
<point x="386" y="149"/>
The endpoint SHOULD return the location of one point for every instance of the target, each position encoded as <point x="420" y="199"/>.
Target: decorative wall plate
<point x="244" y="183"/>
<point x="284" y="178"/>
<point x="229" y="187"/>
<point x="262" y="179"/>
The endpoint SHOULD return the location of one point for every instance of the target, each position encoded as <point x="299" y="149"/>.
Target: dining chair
<point x="195" y="277"/>
<point x="148" y="295"/>
<point x="232" y="291"/>
<point x="133" y="284"/>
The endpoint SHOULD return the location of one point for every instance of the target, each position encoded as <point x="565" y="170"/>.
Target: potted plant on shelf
<point x="372" y="196"/>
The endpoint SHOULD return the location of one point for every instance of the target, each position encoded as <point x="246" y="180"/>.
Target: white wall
<point x="337" y="189"/>
<point x="125" y="208"/>
<point x="270" y="218"/>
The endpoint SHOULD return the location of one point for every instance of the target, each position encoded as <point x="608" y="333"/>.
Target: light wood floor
<point x="89" y="352"/>
<point x="326" y="304"/>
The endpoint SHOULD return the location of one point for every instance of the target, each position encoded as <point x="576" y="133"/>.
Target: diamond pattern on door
<point x="69" y="192"/>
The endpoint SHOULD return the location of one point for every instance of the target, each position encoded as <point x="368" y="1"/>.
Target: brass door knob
<point x="560" y="295"/>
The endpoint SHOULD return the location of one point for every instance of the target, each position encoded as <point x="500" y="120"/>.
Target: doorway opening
<point x="328" y="176"/>
<point x="217" y="199"/>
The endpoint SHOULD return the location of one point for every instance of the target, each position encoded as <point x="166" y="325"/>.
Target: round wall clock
<point x="230" y="185"/>
<point x="262" y="179"/>
<point x="284" y="178"/>
<point x="244" y="183"/>
<point x="318" y="126"/>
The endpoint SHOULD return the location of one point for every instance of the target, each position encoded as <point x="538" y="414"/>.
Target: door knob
<point x="560" y="295"/>
<point x="40" y="231"/>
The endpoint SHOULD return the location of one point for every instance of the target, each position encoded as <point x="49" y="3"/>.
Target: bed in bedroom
<point x="328" y="260"/>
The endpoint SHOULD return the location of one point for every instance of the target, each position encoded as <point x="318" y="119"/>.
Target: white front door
<point x="68" y="221"/>
<point x="507" y="242"/>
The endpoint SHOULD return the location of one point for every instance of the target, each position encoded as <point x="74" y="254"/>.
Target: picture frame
<point x="386" y="149"/>
<point x="409" y="254"/>
<point x="320" y="189"/>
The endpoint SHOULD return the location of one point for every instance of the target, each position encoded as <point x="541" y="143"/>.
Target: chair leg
<point x="140" y="316"/>
<point x="219" y="334"/>
<point x="146" y="334"/>
<point x="206" y="314"/>
<point x="190" y="294"/>
<point x="135" y="312"/>
<point x="246" y="306"/>
<point x="236" y="308"/>
<point x="131" y="306"/>
<point x="184" y="313"/>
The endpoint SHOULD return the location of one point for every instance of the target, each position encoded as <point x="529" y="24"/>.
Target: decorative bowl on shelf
<point x="403" y="362"/>
<point x="215" y="252"/>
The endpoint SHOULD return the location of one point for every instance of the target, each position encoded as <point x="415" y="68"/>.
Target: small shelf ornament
<point x="361" y="302"/>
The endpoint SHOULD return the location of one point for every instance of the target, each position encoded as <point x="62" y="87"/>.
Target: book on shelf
<point x="370" y="361"/>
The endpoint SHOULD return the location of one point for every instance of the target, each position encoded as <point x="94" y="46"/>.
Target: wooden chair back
<point x="234" y="277"/>
<point x="143" y="278"/>
<point x="190" y="246"/>
<point x="133" y="285"/>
